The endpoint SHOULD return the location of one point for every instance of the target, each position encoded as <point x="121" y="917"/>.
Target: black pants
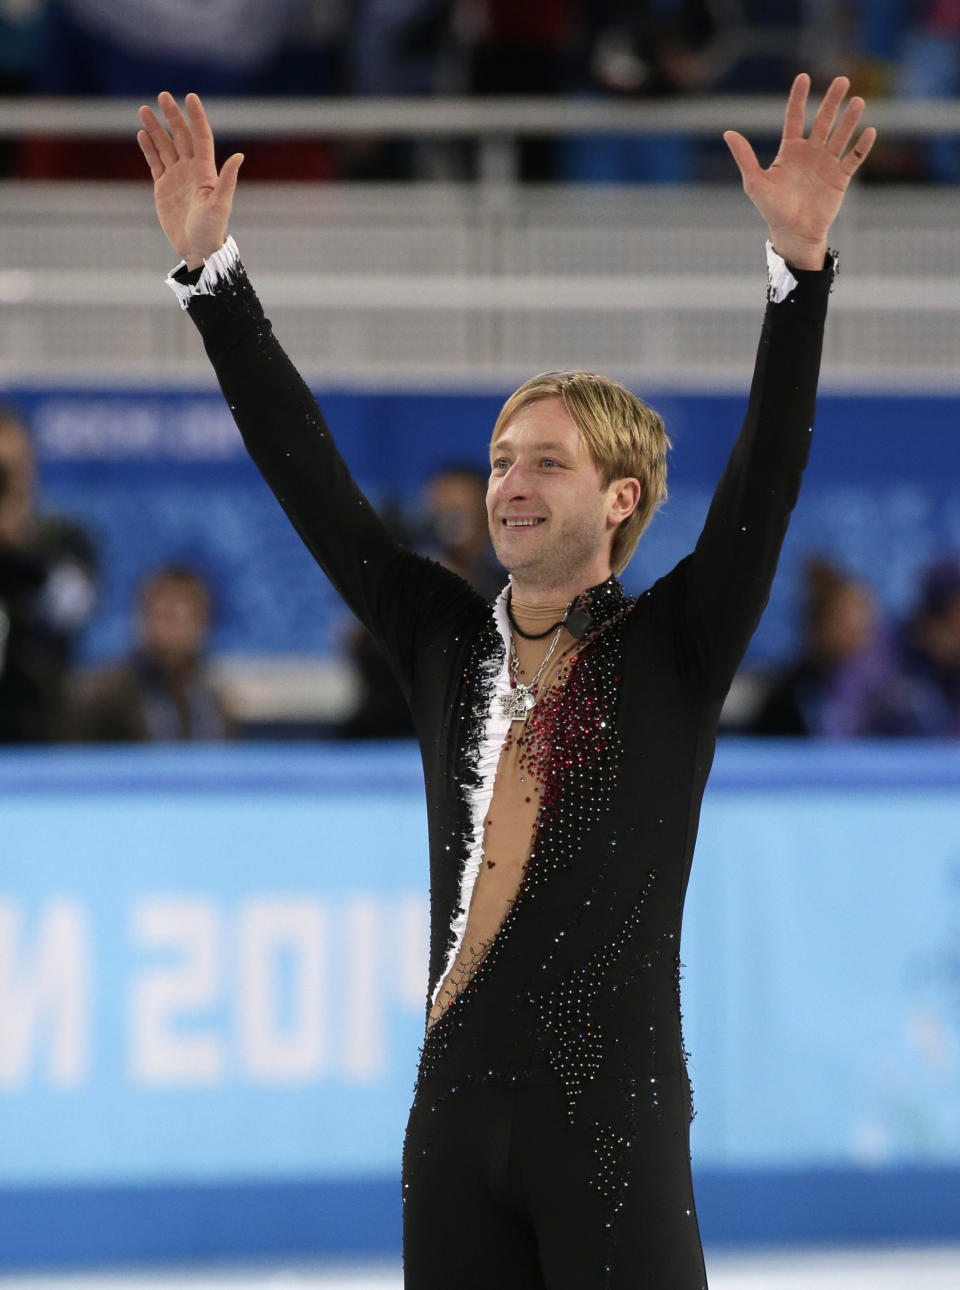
<point x="501" y="1192"/>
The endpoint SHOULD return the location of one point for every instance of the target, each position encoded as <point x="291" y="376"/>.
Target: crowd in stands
<point x="452" y="530"/>
<point x="856" y="675"/>
<point x="605" y="48"/>
<point x="49" y="576"/>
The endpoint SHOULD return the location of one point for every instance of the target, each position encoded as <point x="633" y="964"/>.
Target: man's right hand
<point x="193" y="201"/>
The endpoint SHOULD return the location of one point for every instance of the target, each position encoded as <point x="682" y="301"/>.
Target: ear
<point x="624" y="497"/>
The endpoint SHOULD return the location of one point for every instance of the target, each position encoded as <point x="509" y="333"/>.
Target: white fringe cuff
<point x="780" y="281"/>
<point x="217" y="268"/>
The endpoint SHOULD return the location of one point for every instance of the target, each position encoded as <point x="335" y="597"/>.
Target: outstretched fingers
<point x="162" y="143"/>
<point x="843" y="131"/>
<point x="827" y="111"/>
<point x="859" y="152"/>
<point x="743" y="155"/>
<point x="793" y="118"/>
<point x="200" y="127"/>
<point x="226" y="184"/>
<point x="182" y="135"/>
<point x="149" y="150"/>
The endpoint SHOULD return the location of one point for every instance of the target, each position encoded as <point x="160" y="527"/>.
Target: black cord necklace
<point x="578" y="622"/>
<point x="530" y="636"/>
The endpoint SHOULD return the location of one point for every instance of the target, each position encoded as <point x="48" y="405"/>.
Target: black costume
<point x="547" y="1147"/>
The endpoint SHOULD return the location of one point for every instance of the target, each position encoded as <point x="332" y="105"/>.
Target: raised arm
<point x="724" y="586"/>
<point x="400" y="597"/>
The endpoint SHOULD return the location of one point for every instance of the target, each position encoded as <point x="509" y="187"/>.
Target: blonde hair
<point x="624" y="437"/>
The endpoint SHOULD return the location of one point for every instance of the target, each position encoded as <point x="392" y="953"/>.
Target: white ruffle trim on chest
<point x="478" y="796"/>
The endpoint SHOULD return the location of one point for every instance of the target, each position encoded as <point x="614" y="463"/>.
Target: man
<point x="566" y="733"/>
<point x="162" y="693"/>
<point x="455" y="531"/>
<point x="48" y="590"/>
<point x="844" y="682"/>
<point x="929" y="648"/>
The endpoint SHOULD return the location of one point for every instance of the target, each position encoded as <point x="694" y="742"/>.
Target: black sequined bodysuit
<point x="578" y="996"/>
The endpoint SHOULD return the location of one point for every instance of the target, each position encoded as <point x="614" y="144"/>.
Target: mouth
<point x="515" y="522"/>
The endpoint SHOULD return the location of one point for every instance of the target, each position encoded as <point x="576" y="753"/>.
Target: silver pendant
<point x="517" y="703"/>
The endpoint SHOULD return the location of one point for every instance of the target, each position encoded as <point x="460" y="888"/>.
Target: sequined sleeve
<point x="397" y="595"/>
<point x="721" y="589"/>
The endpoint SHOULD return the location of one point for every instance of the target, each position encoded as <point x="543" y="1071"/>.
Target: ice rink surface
<point x="849" y="1269"/>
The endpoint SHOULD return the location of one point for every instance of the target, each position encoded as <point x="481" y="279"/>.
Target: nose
<point x="515" y="482"/>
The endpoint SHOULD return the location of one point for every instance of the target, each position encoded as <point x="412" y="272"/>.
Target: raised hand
<point x="800" y="193"/>
<point x="193" y="201"/>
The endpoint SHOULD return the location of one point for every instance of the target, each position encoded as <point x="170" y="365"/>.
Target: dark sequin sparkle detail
<point x="568" y="1020"/>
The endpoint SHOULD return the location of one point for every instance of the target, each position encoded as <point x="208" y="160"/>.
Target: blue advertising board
<point x="213" y="971"/>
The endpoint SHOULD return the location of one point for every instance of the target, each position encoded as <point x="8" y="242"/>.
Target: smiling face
<point x="551" y="518"/>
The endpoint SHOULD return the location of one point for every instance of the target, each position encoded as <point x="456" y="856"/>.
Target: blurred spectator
<point x="21" y="31"/>
<point x="313" y="59"/>
<point x="845" y="683"/>
<point x="645" y="49"/>
<point x="650" y="48"/>
<point x="162" y="692"/>
<point x="395" y="47"/>
<point x="930" y="651"/>
<point x="520" y="49"/>
<point x="381" y="711"/>
<point x="136" y="48"/>
<point x="910" y="50"/>
<point x="453" y="532"/>
<point x="762" y="46"/>
<point x="929" y="67"/>
<point x="140" y="46"/>
<point x="21" y="38"/>
<point x="48" y="572"/>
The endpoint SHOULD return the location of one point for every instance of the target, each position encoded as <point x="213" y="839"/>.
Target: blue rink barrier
<point x="212" y="981"/>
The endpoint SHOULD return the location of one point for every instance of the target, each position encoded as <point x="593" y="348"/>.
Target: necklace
<point x="522" y="698"/>
<point x="529" y="636"/>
